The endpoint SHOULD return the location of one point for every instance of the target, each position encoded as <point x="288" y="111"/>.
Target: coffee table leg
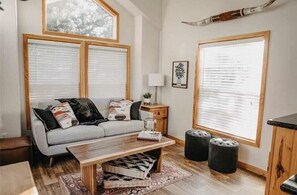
<point x="159" y="162"/>
<point x="158" y="154"/>
<point x="88" y="177"/>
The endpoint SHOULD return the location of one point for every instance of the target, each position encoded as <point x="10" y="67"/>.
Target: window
<point x="107" y="72"/>
<point x="230" y="86"/>
<point x="65" y="68"/>
<point x="80" y="18"/>
<point x="54" y="70"/>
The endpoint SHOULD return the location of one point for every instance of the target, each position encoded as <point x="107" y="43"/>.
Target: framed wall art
<point x="180" y="74"/>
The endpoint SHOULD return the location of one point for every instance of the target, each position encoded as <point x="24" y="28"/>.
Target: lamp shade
<point x="156" y="80"/>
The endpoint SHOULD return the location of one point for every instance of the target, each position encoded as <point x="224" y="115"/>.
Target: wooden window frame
<point x="84" y="47"/>
<point x="127" y="47"/>
<point x="256" y="143"/>
<point x="104" y="5"/>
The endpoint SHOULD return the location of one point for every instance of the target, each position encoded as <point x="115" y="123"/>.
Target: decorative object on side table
<point x="160" y="114"/>
<point x="180" y="74"/>
<point x="147" y="98"/>
<point x="150" y="124"/>
<point x="156" y="80"/>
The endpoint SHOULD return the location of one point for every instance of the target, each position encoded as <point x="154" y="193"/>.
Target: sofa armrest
<point x="39" y="135"/>
<point x="145" y="114"/>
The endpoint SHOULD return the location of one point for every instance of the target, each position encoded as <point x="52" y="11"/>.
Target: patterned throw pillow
<point x="136" y="166"/>
<point x="119" y="110"/>
<point x="112" y="180"/>
<point x="64" y="115"/>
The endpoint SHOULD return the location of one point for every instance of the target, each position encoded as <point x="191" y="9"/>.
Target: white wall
<point x="30" y="22"/>
<point x="150" y="52"/>
<point x="9" y="70"/>
<point x="148" y="22"/>
<point x="179" y="42"/>
<point x="151" y="9"/>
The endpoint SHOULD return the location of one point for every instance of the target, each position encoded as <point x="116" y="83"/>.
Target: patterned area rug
<point x="72" y="184"/>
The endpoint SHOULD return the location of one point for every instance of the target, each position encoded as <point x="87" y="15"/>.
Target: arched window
<point x="92" y="19"/>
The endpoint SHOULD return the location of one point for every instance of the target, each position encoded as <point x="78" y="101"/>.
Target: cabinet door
<point x="281" y="159"/>
<point x="293" y="169"/>
<point x="160" y="125"/>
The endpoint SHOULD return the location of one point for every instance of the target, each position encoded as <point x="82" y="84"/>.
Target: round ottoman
<point x="196" y="145"/>
<point x="223" y="155"/>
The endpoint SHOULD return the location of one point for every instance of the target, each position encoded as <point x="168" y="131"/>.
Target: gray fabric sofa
<point x="55" y="141"/>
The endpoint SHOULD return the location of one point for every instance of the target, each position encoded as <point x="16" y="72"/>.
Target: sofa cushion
<point x="84" y="109"/>
<point x="121" y="127"/>
<point x="134" y="112"/>
<point x="102" y="105"/>
<point x="64" y="115"/>
<point x="74" y="134"/>
<point x="119" y="110"/>
<point x="47" y="118"/>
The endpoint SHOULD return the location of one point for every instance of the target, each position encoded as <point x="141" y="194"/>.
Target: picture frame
<point x="180" y="74"/>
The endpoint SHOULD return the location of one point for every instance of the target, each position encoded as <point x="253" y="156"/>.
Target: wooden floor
<point x="203" y="180"/>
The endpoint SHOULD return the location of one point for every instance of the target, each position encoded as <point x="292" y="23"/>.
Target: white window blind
<point x="230" y="76"/>
<point x="107" y="72"/>
<point x="53" y="70"/>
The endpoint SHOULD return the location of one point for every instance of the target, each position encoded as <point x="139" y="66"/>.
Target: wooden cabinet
<point x="160" y="113"/>
<point x="282" y="159"/>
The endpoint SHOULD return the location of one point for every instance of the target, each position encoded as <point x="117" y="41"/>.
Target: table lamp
<point x="156" y="80"/>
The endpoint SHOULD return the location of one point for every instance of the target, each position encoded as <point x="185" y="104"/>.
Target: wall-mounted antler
<point x="231" y="14"/>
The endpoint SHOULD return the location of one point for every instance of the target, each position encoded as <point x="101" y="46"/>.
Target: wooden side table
<point x="17" y="149"/>
<point x="160" y="113"/>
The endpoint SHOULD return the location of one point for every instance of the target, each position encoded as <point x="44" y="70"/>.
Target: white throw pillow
<point x="64" y="115"/>
<point x="119" y="110"/>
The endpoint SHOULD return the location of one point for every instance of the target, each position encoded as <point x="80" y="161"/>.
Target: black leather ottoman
<point x="223" y="155"/>
<point x="196" y="145"/>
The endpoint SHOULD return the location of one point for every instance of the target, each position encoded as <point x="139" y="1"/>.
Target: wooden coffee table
<point x="111" y="148"/>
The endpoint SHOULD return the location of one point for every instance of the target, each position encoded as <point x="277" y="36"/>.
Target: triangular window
<point x="80" y="18"/>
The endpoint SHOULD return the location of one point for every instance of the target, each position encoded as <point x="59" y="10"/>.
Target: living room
<point x="229" y="76"/>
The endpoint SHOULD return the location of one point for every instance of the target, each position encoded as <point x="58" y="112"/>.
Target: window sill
<point x="254" y="143"/>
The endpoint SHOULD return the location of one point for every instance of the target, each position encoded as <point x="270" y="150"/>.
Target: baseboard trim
<point x="241" y="165"/>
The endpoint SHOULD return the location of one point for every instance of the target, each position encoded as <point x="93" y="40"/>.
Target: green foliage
<point x="82" y="17"/>
<point x="147" y="95"/>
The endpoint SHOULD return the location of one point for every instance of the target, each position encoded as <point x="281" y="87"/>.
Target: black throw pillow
<point x="84" y="109"/>
<point x="134" y="111"/>
<point x="47" y="118"/>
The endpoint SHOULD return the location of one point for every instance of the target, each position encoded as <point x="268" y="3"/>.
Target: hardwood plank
<point x="203" y="181"/>
<point x="241" y="165"/>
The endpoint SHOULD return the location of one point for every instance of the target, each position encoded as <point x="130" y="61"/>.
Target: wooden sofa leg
<point x="51" y="161"/>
